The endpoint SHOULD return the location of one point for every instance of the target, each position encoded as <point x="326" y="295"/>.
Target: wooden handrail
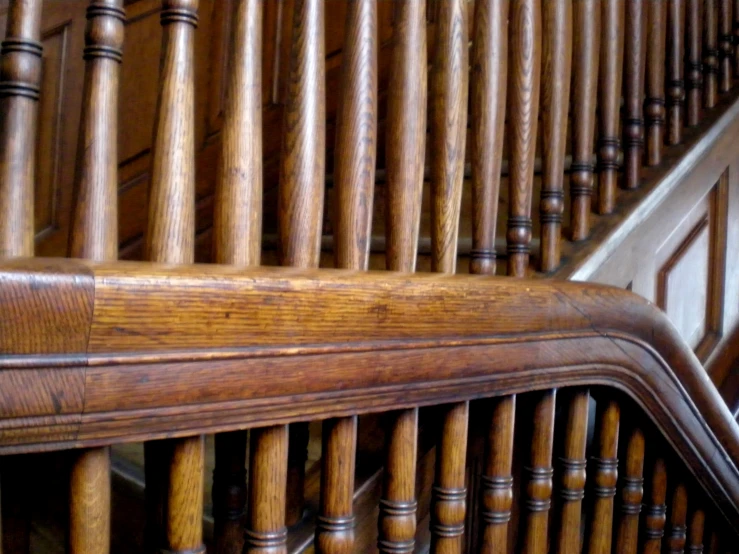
<point x="132" y="351"/>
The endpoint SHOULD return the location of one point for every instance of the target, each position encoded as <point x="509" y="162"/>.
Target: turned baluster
<point x="354" y="170"/>
<point x="735" y="41"/>
<point x="654" y="106"/>
<point x="523" y="112"/>
<point x="655" y="510"/>
<point x="609" y="102"/>
<point x="635" y="52"/>
<point x="710" y="53"/>
<point x="95" y="236"/>
<point x="174" y="501"/>
<point x="572" y="472"/>
<point x="675" y="70"/>
<point x="725" y="44"/>
<point x="405" y="146"/>
<point x="555" y="98"/>
<point x="694" y="60"/>
<point x="696" y="525"/>
<point x="677" y="537"/>
<point x="237" y="228"/>
<point x="632" y="491"/>
<point x="604" y="474"/>
<point x="488" y="98"/>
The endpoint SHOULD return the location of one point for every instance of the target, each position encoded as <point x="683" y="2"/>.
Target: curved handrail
<point x="103" y="353"/>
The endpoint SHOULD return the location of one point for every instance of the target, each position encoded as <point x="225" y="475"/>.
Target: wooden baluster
<point x="448" y="135"/>
<point x="735" y="13"/>
<point x="725" y="44"/>
<point x="406" y="135"/>
<point x="94" y="235"/>
<point x="555" y="99"/>
<point x="710" y="53"/>
<point x="538" y="474"/>
<point x="654" y="106"/>
<point x="489" y="82"/>
<point x="265" y="527"/>
<point x="696" y="525"/>
<point x="694" y="60"/>
<point x="632" y="491"/>
<point x="675" y="70"/>
<point x="523" y="112"/>
<point x="572" y="472"/>
<point x="609" y="101"/>
<point x="654" y="513"/>
<point x="676" y="540"/>
<point x="635" y="53"/>
<point x="354" y="170"/>
<point x="170" y="238"/>
<point x="586" y="16"/>
<point x="604" y="473"/>
<point x="237" y="229"/>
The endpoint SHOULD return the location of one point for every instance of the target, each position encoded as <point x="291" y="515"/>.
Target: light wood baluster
<point x="675" y="70"/>
<point x="489" y="82"/>
<point x="654" y="106"/>
<point x="694" y="60"/>
<point x="572" y="472"/>
<point x="609" y="101"/>
<point x="405" y="164"/>
<point x="94" y="236"/>
<point x="677" y="538"/>
<point x="696" y="525"/>
<point x="354" y="170"/>
<point x="174" y="503"/>
<point x="725" y="44"/>
<point x="710" y="53"/>
<point x="587" y="21"/>
<point x="654" y="513"/>
<point x="604" y="474"/>
<point x="635" y="53"/>
<point x="237" y="229"/>
<point x="555" y="99"/>
<point x="632" y="491"/>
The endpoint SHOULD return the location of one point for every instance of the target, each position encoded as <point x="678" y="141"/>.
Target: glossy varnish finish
<point x="725" y="44"/>
<point x="654" y="105"/>
<point x="694" y="61"/>
<point x="710" y="53"/>
<point x="654" y="515"/>
<point x="634" y="75"/>
<point x="631" y="490"/>
<point x="675" y="70"/>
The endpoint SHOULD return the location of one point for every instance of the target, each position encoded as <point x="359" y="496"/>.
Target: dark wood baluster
<point x="654" y="106"/>
<point x="735" y="13"/>
<point x="497" y="480"/>
<point x="604" y="476"/>
<point x="354" y="169"/>
<point x="523" y="113"/>
<point x="174" y="502"/>
<point x="696" y="525"/>
<point x="675" y="70"/>
<point x="266" y="532"/>
<point x="609" y="102"/>
<point x="634" y="67"/>
<point x="677" y="538"/>
<point x="655" y="510"/>
<point x="488" y="98"/>
<point x="710" y="53"/>
<point x="632" y="491"/>
<point x="694" y="60"/>
<point x="405" y="148"/>
<point x="725" y="44"/>
<point x="555" y="99"/>
<point x="95" y="236"/>
<point x="237" y="229"/>
<point x="572" y="473"/>
<point x="538" y="474"/>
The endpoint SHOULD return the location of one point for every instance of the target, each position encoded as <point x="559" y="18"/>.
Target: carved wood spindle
<point x="677" y="538"/>
<point x="572" y="472"/>
<point x="632" y="491"/>
<point x="609" y="102"/>
<point x="654" y="106"/>
<point x="710" y="53"/>
<point x="355" y="153"/>
<point x="237" y="230"/>
<point x="634" y="67"/>
<point x="696" y="525"/>
<point x="735" y="26"/>
<point x="655" y="510"/>
<point x="555" y="98"/>
<point x="523" y="113"/>
<point x="587" y="21"/>
<point x="694" y="60"/>
<point x="538" y="474"/>
<point x="94" y="235"/>
<point x="170" y="238"/>
<point x="604" y="473"/>
<point x="675" y="70"/>
<point x="725" y="44"/>
<point x="488" y="98"/>
<point x="406" y="134"/>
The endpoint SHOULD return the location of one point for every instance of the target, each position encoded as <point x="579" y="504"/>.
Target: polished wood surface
<point x="694" y="61"/>
<point x="635" y="52"/>
<point x="654" y="105"/>
<point x="631" y="489"/>
<point x="675" y="70"/>
<point x="710" y="53"/>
